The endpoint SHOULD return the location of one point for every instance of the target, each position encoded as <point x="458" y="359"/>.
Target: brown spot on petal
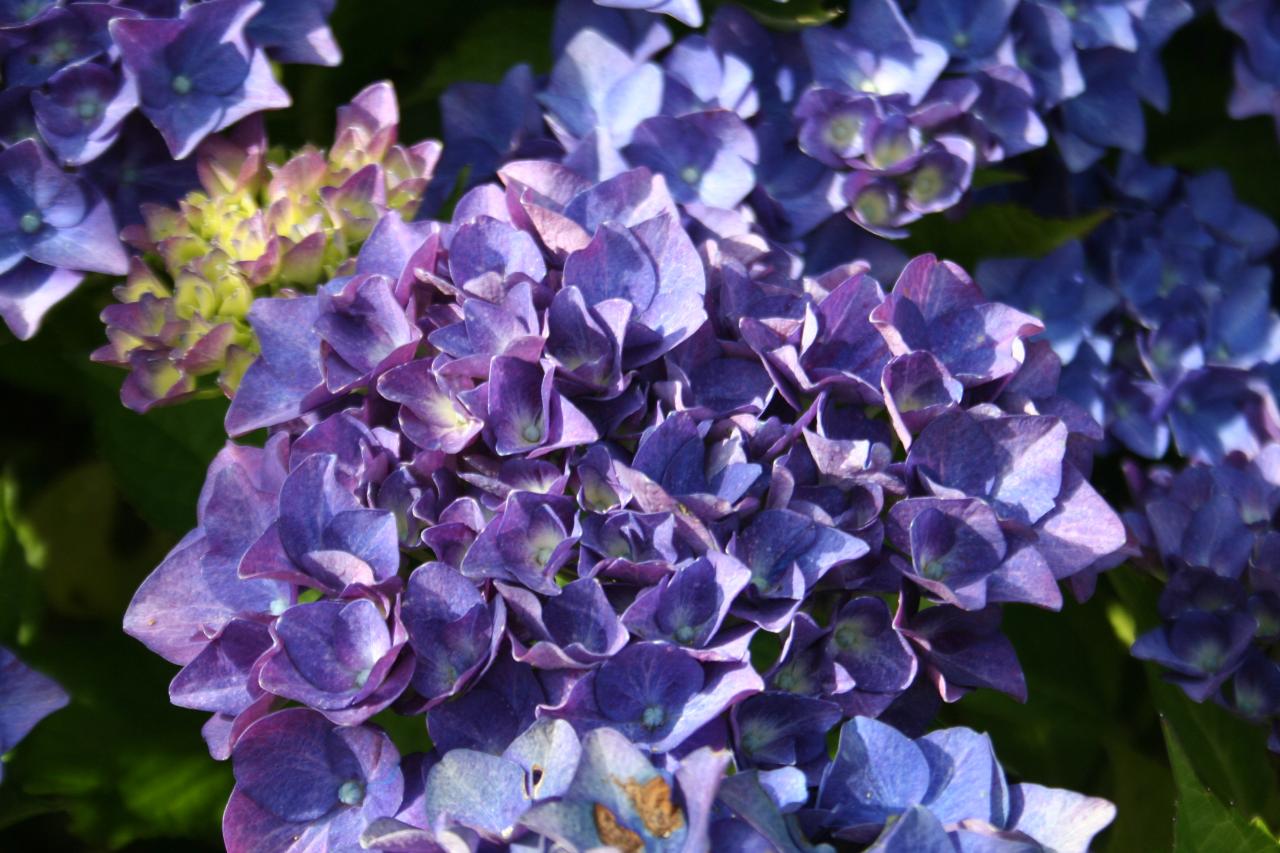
<point x="652" y="801"/>
<point x="615" y="834"/>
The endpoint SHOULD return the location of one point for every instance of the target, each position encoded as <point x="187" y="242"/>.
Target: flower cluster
<point x="1212" y="529"/>
<point x="884" y="116"/>
<point x="1257" y="64"/>
<point x="26" y="698"/>
<point x="88" y="85"/>
<point x="257" y="228"/>
<point x="1163" y="320"/>
<point x="942" y="793"/>
<point x="615" y="498"/>
<point x="1163" y="316"/>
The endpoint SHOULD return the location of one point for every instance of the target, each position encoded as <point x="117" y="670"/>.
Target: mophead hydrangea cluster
<point x="1162" y="316"/>
<point x="634" y="511"/>
<point x="1211" y="530"/>
<point x="671" y="505"/>
<point x="255" y="228"/>
<point x="1163" y="320"/>
<point x="884" y="116"/>
<point x="100" y="104"/>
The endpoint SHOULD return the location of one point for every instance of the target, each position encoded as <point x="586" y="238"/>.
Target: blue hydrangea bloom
<point x="26" y="697"/>
<point x="120" y="93"/>
<point x="544" y="472"/>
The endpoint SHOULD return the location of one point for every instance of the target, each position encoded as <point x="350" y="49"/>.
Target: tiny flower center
<point x="684" y="634"/>
<point x="850" y="636"/>
<point x="653" y="716"/>
<point x="543" y="555"/>
<point x="873" y="207"/>
<point x="960" y="39"/>
<point x="181" y="84"/>
<point x="927" y="184"/>
<point x="88" y="109"/>
<point x="61" y="50"/>
<point x="351" y="793"/>
<point x="842" y="130"/>
<point x="279" y="606"/>
<point x="30" y="222"/>
<point x="532" y="433"/>
<point x="1249" y="702"/>
<point x="690" y="174"/>
<point x="1209" y="657"/>
<point x="933" y="570"/>
<point x="892" y="150"/>
<point x="753" y="738"/>
<point x="362" y="677"/>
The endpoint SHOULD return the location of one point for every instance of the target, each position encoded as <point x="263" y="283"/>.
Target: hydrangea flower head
<point x="543" y="472"/>
<point x="256" y="228"/>
<point x="119" y="94"/>
<point x="197" y="74"/>
<point x="51" y="225"/>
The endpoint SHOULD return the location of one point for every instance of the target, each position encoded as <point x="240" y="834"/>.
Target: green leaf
<point x="158" y="459"/>
<point x="88" y="567"/>
<point x="1203" y="824"/>
<point x="996" y="231"/>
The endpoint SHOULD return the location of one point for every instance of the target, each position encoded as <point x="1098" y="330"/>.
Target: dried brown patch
<point x="615" y="834"/>
<point x="652" y="801"/>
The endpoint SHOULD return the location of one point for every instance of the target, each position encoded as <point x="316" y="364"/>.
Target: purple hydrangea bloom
<point x="656" y="694"/>
<point x="52" y="227"/>
<point x="89" y="84"/>
<point x="302" y="782"/>
<point x="196" y="592"/>
<point x="946" y="779"/>
<point x="197" y="74"/>
<point x="53" y="219"/>
<point x="452" y="630"/>
<point x="544" y="473"/>
<point x="296" y="31"/>
<point x="1171" y="346"/>
<point x="1257" y="63"/>
<point x="687" y="12"/>
<point x="884" y="116"/>
<point x="1210" y="530"/>
<point x="340" y="659"/>
<point x="26" y="698"/>
<point x="618" y="798"/>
